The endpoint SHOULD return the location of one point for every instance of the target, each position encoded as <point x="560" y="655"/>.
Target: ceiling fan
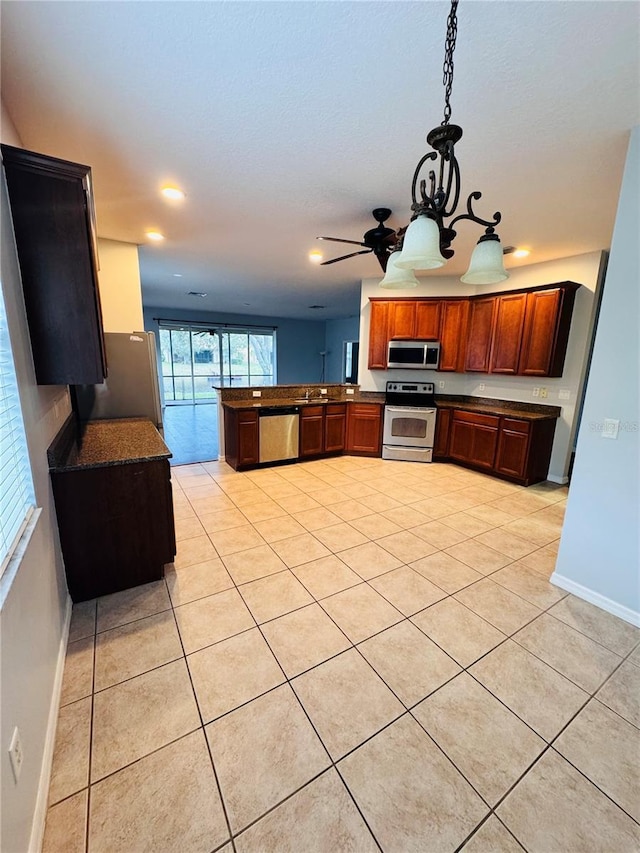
<point x="379" y="240"/>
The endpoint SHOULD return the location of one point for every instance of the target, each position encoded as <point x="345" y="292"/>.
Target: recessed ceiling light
<point x="177" y="275"/>
<point x="315" y="256"/>
<point x="521" y="253"/>
<point x="196" y="293"/>
<point x="172" y="193"/>
<point x="155" y="235"/>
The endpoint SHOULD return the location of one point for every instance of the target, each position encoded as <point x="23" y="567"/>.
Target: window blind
<point x="16" y="484"/>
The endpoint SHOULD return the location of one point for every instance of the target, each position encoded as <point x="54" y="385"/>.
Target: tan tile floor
<point x="350" y="655"/>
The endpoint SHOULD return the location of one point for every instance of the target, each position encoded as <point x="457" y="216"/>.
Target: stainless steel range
<point x="409" y="421"/>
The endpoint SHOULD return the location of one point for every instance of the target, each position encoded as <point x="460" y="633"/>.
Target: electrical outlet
<point x="543" y="392"/>
<point x="610" y="428"/>
<point x="564" y="394"/>
<point x="323" y="390"/>
<point x="257" y="393"/>
<point x="535" y="392"/>
<point x="441" y="383"/>
<point x="16" y="755"/>
<point x="481" y="386"/>
<point x="350" y="390"/>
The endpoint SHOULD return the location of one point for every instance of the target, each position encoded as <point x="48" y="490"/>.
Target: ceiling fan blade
<point x="340" y="240"/>
<point x="344" y="257"/>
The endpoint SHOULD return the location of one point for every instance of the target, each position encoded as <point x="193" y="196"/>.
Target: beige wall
<point x="120" y="291"/>
<point x="584" y="269"/>
<point x="33" y="600"/>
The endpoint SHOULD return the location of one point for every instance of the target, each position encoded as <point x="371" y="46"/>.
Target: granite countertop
<point x="507" y="408"/>
<point x="103" y="443"/>
<point x="264" y="402"/>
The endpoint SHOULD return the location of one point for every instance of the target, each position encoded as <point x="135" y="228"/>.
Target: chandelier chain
<point x="447" y="67"/>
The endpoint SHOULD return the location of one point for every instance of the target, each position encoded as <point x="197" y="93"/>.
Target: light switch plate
<point x="323" y="390"/>
<point x="610" y="428"/>
<point x="564" y="394"/>
<point x="350" y="390"/>
<point x="257" y="393"/>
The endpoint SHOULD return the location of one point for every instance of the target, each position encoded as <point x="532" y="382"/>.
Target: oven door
<point x="408" y="426"/>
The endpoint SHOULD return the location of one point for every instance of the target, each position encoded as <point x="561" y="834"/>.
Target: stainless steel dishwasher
<point x="278" y="433"/>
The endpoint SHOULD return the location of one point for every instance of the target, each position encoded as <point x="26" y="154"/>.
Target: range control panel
<point x="410" y="387"/>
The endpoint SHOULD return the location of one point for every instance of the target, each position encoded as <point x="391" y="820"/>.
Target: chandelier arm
<point x="431" y="155"/>
<point x="453" y="182"/>
<point x="472" y="216"/>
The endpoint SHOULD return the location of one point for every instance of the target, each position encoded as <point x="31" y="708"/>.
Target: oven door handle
<point x="409" y="409"/>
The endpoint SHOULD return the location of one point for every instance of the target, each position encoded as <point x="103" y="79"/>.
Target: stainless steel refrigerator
<point x="131" y="388"/>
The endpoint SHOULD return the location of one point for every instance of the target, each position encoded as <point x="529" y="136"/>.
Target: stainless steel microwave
<point x="414" y="355"/>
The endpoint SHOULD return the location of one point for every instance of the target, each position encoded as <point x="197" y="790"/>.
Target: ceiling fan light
<point x="487" y="262"/>
<point x="396" y="278"/>
<point x="421" y="246"/>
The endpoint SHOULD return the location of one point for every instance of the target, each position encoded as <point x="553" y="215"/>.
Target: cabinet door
<point x="461" y="441"/>
<point x="453" y="330"/>
<point x="443" y="427"/>
<point x="481" y="317"/>
<point x="335" y="428"/>
<point x="248" y="438"/>
<point x="51" y="208"/>
<point x="402" y="319"/>
<point x="485" y="441"/>
<point x="428" y="319"/>
<point x="311" y="431"/>
<point x="541" y="324"/>
<point x="364" y="429"/>
<point x="507" y="333"/>
<point x="513" y="448"/>
<point x="378" y="335"/>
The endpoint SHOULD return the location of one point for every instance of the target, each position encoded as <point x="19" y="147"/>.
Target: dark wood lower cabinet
<point x="311" y="431"/>
<point x="116" y="526"/>
<point x="474" y="439"/>
<point x="335" y="428"/>
<point x="364" y="429"/>
<point x="241" y="437"/>
<point x="443" y="428"/>
<point x="513" y="448"/>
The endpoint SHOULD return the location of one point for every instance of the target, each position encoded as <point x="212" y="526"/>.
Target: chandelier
<point x="426" y="243"/>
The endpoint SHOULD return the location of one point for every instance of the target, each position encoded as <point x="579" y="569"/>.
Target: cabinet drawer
<point x="476" y="418"/>
<point x="516" y="426"/>
<point x="247" y="417"/>
<point x="311" y="411"/>
<point x="367" y="409"/>
<point x="336" y="408"/>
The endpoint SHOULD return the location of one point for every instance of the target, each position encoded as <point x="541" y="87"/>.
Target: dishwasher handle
<point x="273" y="411"/>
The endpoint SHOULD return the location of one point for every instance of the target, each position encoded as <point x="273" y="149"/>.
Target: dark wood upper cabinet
<point x="378" y="333"/>
<point x="428" y="319"/>
<point x="54" y="226"/>
<point x="453" y="333"/>
<point x="546" y="330"/>
<point x="402" y="319"/>
<point x="507" y="333"/>
<point x="479" y="335"/>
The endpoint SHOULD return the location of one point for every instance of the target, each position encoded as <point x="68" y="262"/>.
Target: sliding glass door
<point x="196" y="359"/>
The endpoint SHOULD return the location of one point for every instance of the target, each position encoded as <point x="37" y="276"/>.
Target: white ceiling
<point x="286" y="120"/>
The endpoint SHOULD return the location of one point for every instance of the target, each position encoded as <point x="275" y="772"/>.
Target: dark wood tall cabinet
<point x="54" y="226"/>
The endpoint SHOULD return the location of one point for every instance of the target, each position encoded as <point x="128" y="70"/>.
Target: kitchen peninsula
<point x="112" y="489"/>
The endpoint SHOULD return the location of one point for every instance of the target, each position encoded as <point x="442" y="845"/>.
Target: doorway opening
<point x="196" y="359"/>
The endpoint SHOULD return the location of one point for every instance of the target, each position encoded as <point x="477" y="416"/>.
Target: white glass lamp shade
<point x="487" y="263"/>
<point x="396" y="278"/>
<point x="421" y="246"/>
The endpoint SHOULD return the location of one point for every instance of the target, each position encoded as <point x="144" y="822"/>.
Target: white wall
<point x="33" y="603"/>
<point x="119" y="285"/>
<point x="584" y="269"/>
<point x="599" y="549"/>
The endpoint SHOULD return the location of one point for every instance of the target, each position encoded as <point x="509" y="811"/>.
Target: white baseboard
<point x="40" y="813"/>
<point x="596" y="598"/>
<point x="222" y="457"/>
<point x="562" y="481"/>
